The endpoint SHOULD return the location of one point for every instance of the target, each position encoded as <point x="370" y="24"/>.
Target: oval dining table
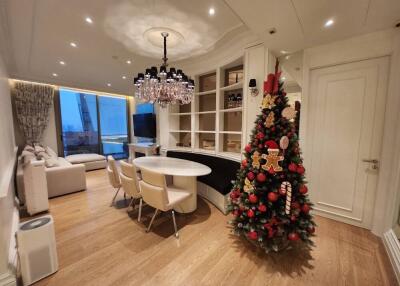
<point x="184" y="174"/>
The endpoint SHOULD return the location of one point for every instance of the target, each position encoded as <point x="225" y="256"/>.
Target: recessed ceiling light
<point x="72" y="44"/>
<point x="108" y="84"/>
<point x="211" y="11"/>
<point x="55" y="75"/>
<point x="287" y="57"/>
<point x="123" y="77"/>
<point x="62" y="63"/>
<point x="329" y="23"/>
<point x="284" y="52"/>
<point x="128" y="62"/>
<point x="89" y="20"/>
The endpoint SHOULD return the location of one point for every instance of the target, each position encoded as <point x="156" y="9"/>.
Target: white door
<point x="346" y="117"/>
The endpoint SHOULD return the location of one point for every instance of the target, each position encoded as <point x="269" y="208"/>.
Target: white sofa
<point x="62" y="179"/>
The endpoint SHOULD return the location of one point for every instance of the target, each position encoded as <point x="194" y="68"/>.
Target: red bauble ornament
<point x="262" y="208"/>
<point x="250" y="176"/>
<point x="233" y="195"/>
<point x="300" y="170"/>
<point x="292" y="167"/>
<point x="303" y="190"/>
<point x="261" y="177"/>
<point x="253" y="198"/>
<point x="250" y="213"/>
<point x="260" y="146"/>
<point x="247" y="148"/>
<point x="273" y="197"/>
<point x="293" y="236"/>
<point x="282" y="191"/>
<point x="311" y="229"/>
<point x="244" y="162"/>
<point x="293" y="218"/>
<point x="260" y="135"/>
<point x="272" y="128"/>
<point x="305" y="208"/>
<point x="236" y="213"/>
<point x="252" y="235"/>
<point x="271" y="171"/>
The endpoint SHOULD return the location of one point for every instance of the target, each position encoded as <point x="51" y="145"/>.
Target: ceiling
<point x="35" y="35"/>
<point x="299" y="24"/>
<point x="41" y="32"/>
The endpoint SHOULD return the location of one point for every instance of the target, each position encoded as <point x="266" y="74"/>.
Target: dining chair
<point x="113" y="176"/>
<point x="130" y="184"/>
<point x="158" y="195"/>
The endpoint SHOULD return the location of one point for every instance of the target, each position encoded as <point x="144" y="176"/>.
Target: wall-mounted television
<point x="144" y="125"/>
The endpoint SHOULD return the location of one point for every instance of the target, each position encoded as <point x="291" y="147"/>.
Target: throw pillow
<point x="27" y="156"/>
<point x="51" y="152"/>
<point x="51" y="162"/>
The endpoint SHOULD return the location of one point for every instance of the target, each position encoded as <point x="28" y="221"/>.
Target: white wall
<point x="8" y="212"/>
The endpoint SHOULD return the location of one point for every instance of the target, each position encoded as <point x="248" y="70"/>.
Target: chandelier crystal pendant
<point x="164" y="87"/>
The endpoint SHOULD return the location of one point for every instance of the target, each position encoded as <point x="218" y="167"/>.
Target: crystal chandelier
<point x="164" y="87"/>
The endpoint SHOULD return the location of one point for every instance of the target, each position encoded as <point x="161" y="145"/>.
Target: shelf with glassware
<point x="216" y="114"/>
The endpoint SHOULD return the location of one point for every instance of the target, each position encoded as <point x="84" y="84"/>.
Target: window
<point x="79" y="122"/>
<point x="113" y="126"/>
<point x="93" y="124"/>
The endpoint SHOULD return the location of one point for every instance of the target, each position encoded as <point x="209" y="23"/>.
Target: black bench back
<point x="223" y="171"/>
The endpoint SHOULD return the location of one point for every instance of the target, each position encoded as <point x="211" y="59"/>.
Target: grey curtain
<point x="32" y="106"/>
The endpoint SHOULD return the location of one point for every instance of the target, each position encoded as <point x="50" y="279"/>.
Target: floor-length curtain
<point x="32" y="106"/>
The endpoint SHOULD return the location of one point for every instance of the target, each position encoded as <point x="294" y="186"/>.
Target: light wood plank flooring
<point x="102" y="245"/>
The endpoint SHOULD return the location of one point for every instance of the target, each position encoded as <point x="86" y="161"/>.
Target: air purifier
<point x="37" y="249"/>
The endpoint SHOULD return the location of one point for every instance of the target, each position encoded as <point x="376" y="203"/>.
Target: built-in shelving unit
<point x="212" y="123"/>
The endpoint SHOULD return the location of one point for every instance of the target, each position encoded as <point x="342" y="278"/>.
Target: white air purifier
<point x="37" y="249"/>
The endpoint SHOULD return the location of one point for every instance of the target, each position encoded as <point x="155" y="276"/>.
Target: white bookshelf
<point x="215" y="128"/>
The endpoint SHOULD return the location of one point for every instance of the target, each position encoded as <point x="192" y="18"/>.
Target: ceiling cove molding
<point x="228" y="49"/>
<point x="5" y="38"/>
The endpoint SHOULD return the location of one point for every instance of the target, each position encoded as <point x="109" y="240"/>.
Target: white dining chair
<point x="130" y="184"/>
<point x="158" y="195"/>
<point x="113" y="176"/>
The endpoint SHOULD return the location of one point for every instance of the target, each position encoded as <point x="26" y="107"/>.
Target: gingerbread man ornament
<point x="272" y="160"/>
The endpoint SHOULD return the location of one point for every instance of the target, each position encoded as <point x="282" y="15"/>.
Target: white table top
<point x="172" y="166"/>
<point x="142" y="144"/>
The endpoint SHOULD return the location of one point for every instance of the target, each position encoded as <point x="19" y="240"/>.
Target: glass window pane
<point x="114" y="126"/>
<point x="79" y="122"/>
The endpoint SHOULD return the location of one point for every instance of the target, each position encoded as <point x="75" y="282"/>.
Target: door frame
<point x="369" y="46"/>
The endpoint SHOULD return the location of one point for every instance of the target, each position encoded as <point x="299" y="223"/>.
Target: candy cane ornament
<point x="288" y="188"/>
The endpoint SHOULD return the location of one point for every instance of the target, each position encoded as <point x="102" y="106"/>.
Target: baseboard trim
<point x="392" y="246"/>
<point x="7" y="279"/>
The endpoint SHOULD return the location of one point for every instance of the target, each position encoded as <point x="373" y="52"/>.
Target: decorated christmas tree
<point x="269" y="200"/>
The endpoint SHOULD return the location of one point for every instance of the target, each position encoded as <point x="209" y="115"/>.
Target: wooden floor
<point x="102" y="245"/>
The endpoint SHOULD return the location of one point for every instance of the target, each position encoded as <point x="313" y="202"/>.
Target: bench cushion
<point x="84" y="158"/>
<point x="223" y="171"/>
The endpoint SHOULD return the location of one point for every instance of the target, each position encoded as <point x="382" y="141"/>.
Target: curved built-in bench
<point x="215" y="186"/>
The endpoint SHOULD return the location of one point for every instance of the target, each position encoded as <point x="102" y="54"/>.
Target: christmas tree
<point x="269" y="200"/>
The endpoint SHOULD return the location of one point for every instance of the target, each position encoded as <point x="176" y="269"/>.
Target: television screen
<point x="144" y="125"/>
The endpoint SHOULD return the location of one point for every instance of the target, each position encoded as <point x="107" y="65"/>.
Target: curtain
<point x="32" y="106"/>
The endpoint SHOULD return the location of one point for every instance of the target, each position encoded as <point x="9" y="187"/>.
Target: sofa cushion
<point x="83" y="158"/>
<point x="223" y="171"/>
<point x="62" y="162"/>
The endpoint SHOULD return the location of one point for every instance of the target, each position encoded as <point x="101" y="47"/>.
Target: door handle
<point x="374" y="162"/>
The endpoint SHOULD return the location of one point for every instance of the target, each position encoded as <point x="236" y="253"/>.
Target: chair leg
<point x="140" y="209"/>
<point x="131" y="204"/>
<point x="113" y="200"/>
<point x="152" y="219"/>
<point x="176" y="229"/>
